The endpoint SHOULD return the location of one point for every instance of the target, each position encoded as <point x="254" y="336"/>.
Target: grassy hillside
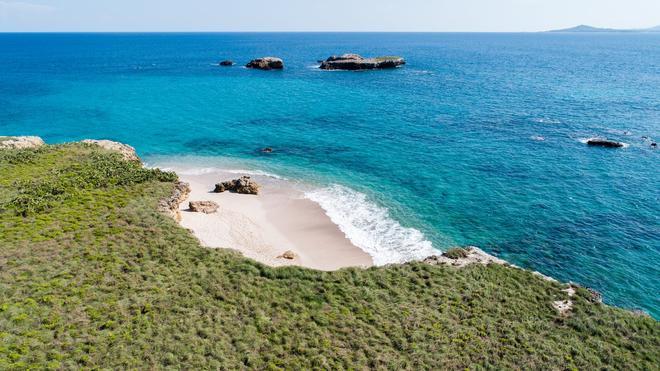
<point x="92" y="276"/>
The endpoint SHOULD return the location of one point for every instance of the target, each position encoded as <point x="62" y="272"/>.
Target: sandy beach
<point x="264" y="226"/>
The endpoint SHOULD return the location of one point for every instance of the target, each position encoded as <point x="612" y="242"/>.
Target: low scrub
<point x="92" y="276"/>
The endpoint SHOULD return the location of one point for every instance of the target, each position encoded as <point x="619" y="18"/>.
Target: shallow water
<point x="476" y="141"/>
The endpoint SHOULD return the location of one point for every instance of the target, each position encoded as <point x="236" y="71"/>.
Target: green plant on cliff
<point x="97" y="278"/>
<point x="456" y="253"/>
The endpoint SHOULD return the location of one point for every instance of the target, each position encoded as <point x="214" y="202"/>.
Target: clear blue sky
<point x="323" y="15"/>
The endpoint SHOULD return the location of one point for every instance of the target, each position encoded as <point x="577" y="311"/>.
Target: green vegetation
<point x="456" y="253"/>
<point x="92" y="276"/>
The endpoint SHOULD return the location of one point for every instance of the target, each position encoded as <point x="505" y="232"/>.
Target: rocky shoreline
<point x="456" y="257"/>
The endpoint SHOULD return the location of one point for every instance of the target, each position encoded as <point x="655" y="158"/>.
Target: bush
<point x="104" y="281"/>
<point x="456" y="253"/>
<point x="100" y="170"/>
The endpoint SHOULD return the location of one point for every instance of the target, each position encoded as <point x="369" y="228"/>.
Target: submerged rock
<point x="267" y="150"/>
<point x="125" y="150"/>
<point x="227" y="63"/>
<point x="170" y="205"/>
<point x="266" y="63"/>
<point x="600" y="142"/>
<point x="21" y="142"/>
<point x="206" y="207"/>
<point x="242" y="185"/>
<point x="355" y="62"/>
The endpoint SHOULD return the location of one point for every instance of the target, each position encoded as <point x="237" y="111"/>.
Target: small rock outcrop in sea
<point x="243" y="185"/>
<point x="267" y="150"/>
<point x="355" y="62"/>
<point x="288" y="255"/>
<point x="206" y="207"/>
<point x="20" y="142"/>
<point x="170" y="205"/>
<point x="467" y="256"/>
<point x="226" y="63"/>
<point x="125" y="150"/>
<point x="600" y="142"/>
<point x="266" y="63"/>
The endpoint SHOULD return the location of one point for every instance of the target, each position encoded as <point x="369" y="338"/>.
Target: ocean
<point x="478" y="140"/>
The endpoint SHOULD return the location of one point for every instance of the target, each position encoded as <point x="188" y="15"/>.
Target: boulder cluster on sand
<point x="243" y="185"/>
<point x="170" y="205"/>
<point x="21" y="142"/>
<point x="206" y="207"/>
<point x="469" y="255"/>
<point x="355" y="62"/>
<point x="266" y="63"/>
<point x="288" y="255"/>
<point x="601" y="142"/>
<point x="125" y="150"/>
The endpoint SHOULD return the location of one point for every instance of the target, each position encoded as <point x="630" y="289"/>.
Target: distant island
<point x="585" y="28"/>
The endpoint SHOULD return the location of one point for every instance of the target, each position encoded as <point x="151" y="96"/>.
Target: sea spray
<point x="370" y="226"/>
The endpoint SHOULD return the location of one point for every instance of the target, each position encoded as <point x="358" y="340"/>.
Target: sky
<point x="323" y="15"/>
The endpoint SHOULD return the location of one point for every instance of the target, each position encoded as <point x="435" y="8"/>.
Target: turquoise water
<point x="442" y="152"/>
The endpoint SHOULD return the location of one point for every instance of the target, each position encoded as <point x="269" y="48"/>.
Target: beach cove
<point x="479" y="140"/>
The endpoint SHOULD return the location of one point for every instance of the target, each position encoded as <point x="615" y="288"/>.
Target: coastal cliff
<point x="95" y="276"/>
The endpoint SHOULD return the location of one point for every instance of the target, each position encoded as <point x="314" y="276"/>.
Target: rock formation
<point x="20" y="142"/>
<point x="206" y="207"/>
<point x="242" y="185"/>
<point x="288" y="255"/>
<point x="355" y="62"/>
<point x="266" y="63"/>
<point x="267" y="150"/>
<point x="125" y="150"/>
<point x="227" y="63"/>
<point x="600" y="142"/>
<point x="473" y="255"/>
<point x="170" y="205"/>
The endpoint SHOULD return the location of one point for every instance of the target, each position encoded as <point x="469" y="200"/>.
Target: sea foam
<point x="370" y="226"/>
<point x="214" y="170"/>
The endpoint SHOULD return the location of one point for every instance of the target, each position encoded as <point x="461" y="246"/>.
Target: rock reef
<point x="21" y="142"/>
<point x="125" y="150"/>
<point x="355" y="62"/>
<point x="243" y="185"/>
<point x="266" y="63"/>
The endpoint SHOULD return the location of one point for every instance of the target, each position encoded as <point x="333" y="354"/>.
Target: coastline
<point x="263" y="227"/>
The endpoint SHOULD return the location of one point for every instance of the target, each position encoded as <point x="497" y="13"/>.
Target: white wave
<point x="546" y="120"/>
<point x="211" y="170"/>
<point x="370" y="227"/>
<point x="254" y="172"/>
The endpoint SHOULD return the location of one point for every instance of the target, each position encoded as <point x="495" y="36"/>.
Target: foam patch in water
<point x="370" y="227"/>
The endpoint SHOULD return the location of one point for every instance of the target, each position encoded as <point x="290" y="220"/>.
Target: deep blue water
<point x="444" y="146"/>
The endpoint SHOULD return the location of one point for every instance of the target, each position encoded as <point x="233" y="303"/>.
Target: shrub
<point x="100" y="170"/>
<point x="456" y="253"/>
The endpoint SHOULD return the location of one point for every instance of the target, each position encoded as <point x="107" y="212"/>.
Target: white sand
<point x="263" y="227"/>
